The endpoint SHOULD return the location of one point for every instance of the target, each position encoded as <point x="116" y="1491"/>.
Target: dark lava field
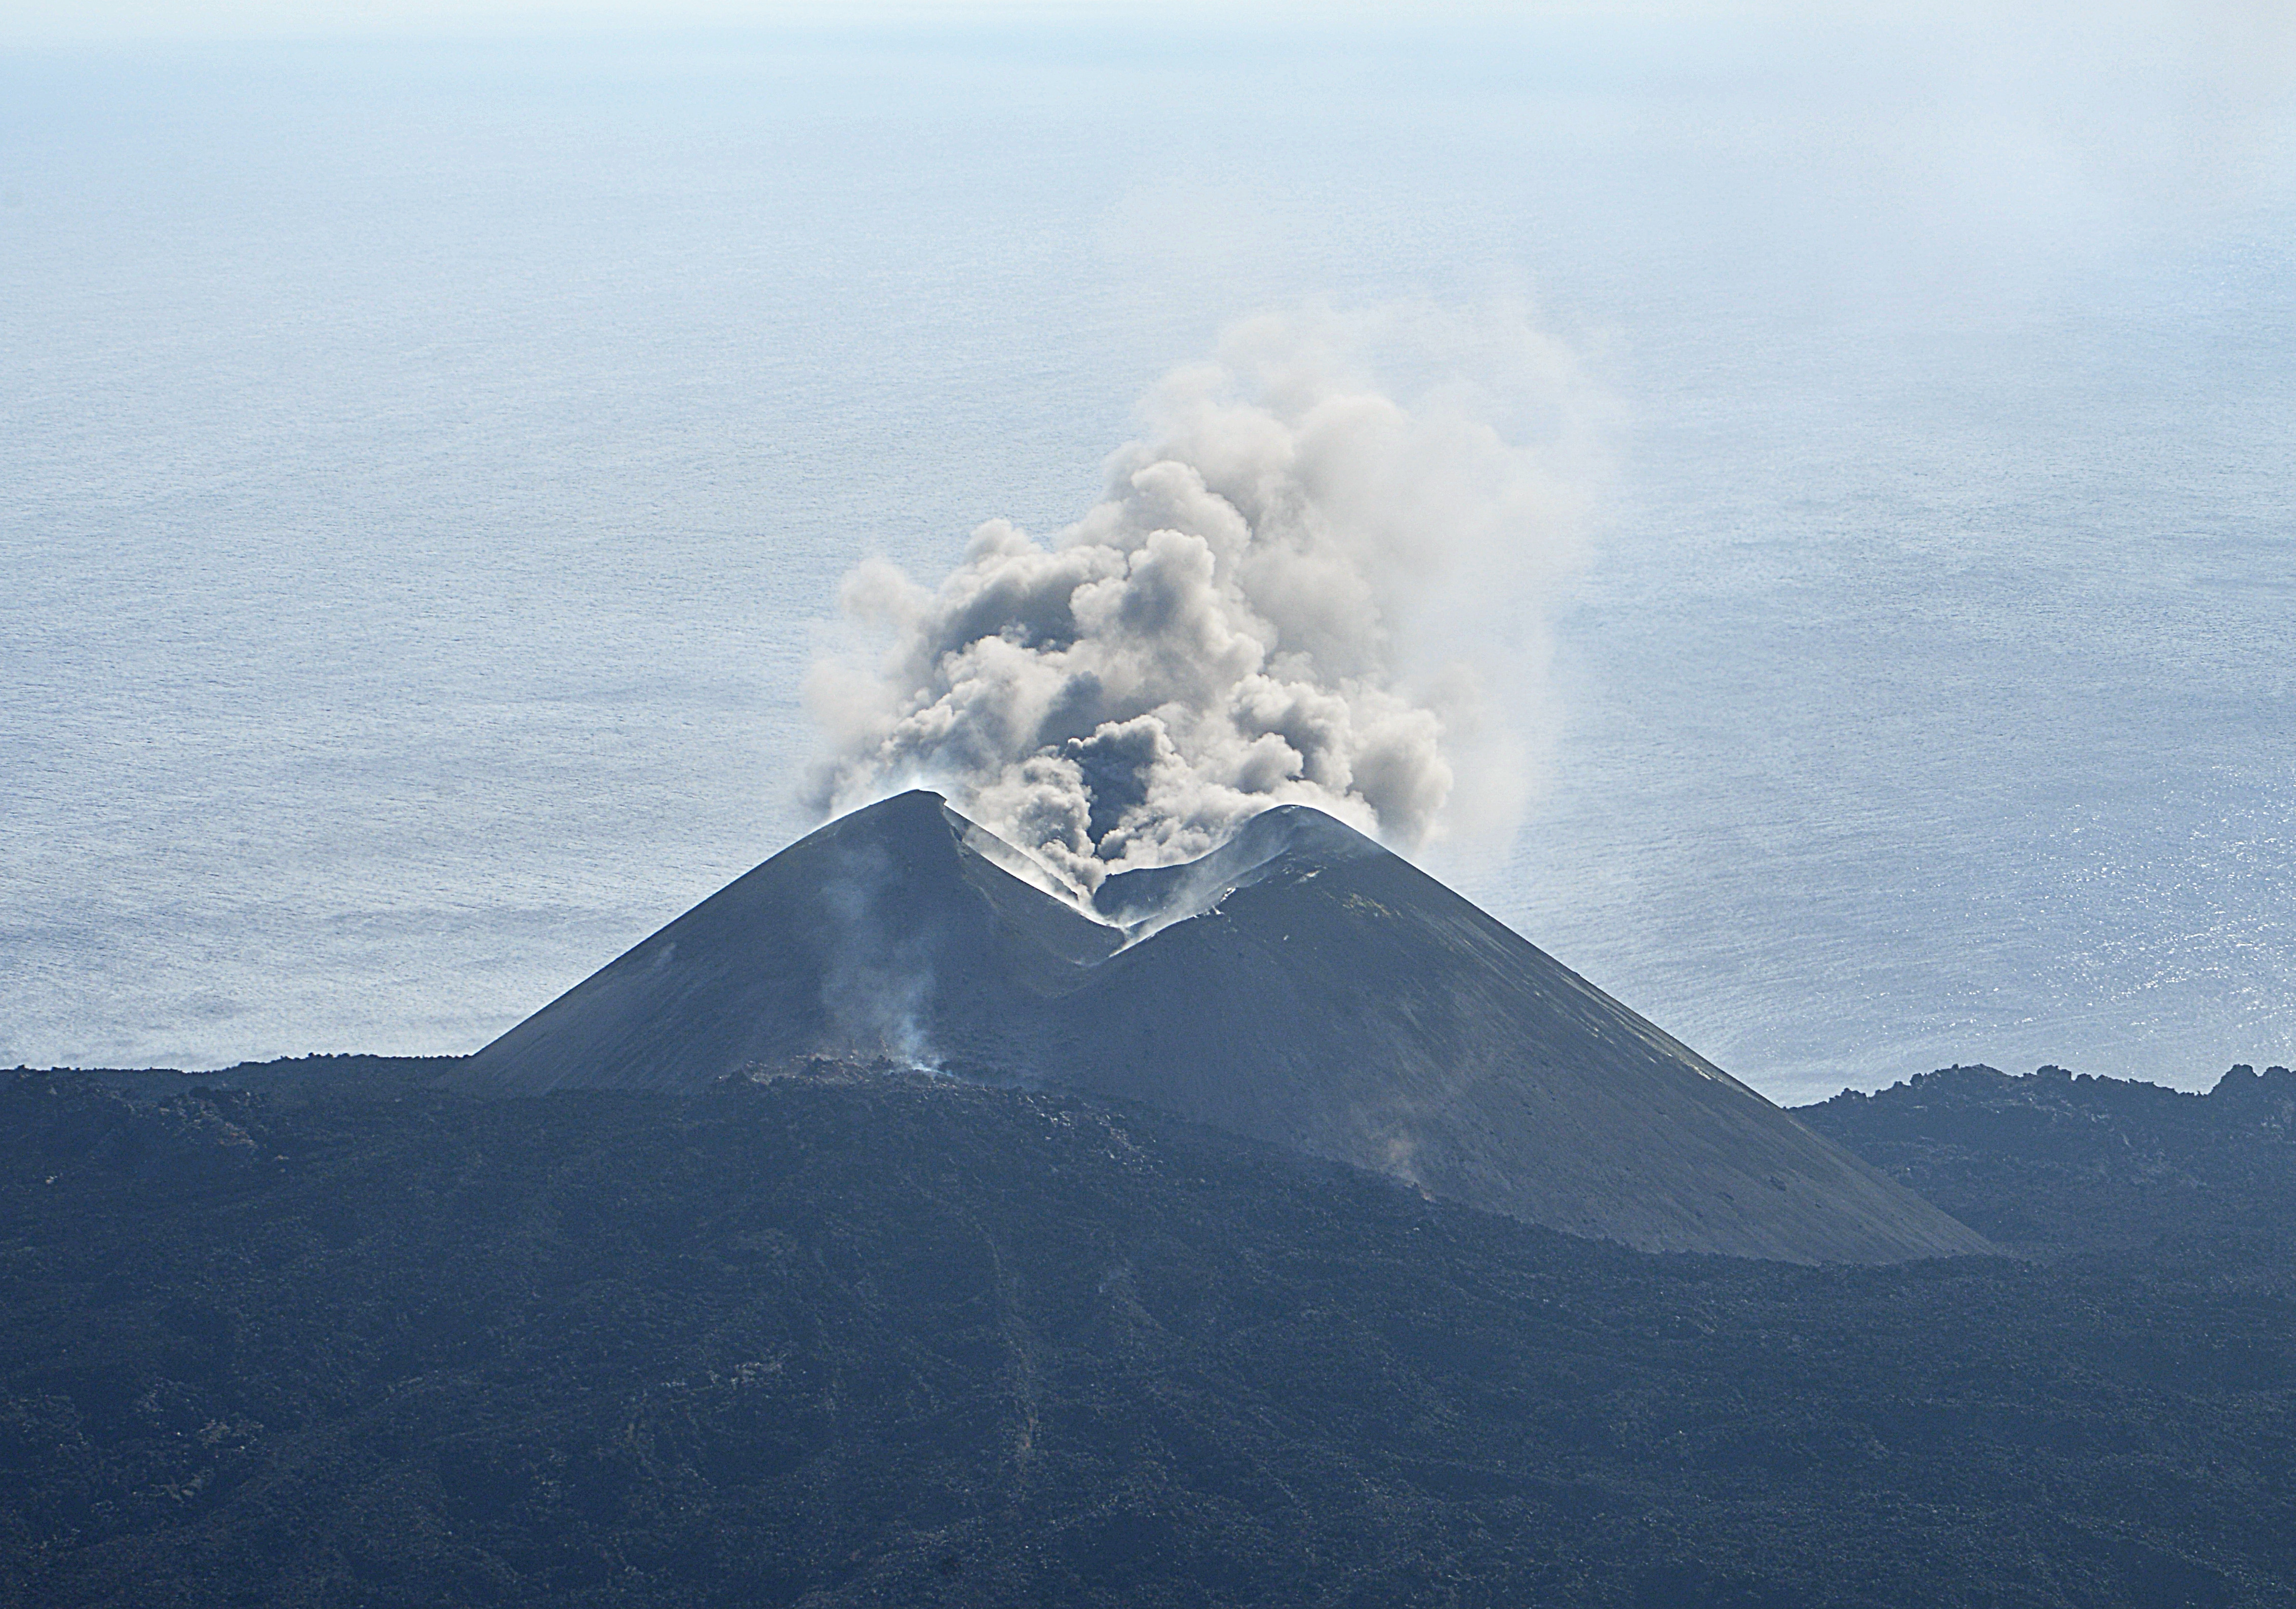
<point x="845" y="1337"/>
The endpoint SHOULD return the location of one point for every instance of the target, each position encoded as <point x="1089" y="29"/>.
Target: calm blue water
<point x="428" y="473"/>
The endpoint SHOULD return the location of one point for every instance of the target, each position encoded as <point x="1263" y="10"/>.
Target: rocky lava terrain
<point x="835" y="1335"/>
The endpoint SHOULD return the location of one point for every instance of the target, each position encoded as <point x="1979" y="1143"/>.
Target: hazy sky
<point x="175" y="19"/>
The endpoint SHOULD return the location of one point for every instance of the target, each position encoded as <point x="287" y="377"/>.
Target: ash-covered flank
<point x="1300" y="984"/>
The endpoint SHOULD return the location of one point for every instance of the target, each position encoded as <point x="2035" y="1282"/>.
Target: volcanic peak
<point x="1288" y="842"/>
<point x="1300" y="984"/>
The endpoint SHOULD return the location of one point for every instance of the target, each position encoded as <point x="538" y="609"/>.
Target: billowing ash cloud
<point x="1297" y="588"/>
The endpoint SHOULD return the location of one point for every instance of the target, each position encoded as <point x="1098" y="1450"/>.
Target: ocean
<point x="429" y="468"/>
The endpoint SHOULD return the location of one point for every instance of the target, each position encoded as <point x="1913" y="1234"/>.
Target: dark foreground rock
<point x="865" y="1338"/>
<point x="2055" y="1160"/>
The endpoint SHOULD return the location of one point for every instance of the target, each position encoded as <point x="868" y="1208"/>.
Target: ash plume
<point x="1296" y="588"/>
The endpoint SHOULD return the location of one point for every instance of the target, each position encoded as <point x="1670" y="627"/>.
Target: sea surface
<point x="426" y="470"/>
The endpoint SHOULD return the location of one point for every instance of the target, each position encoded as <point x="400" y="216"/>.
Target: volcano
<point x="1301" y="984"/>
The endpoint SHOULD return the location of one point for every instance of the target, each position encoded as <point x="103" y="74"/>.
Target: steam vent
<point x="1300" y="984"/>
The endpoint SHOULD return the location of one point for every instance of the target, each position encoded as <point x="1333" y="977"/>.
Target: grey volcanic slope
<point x="1301" y="984"/>
<point x="895" y="929"/>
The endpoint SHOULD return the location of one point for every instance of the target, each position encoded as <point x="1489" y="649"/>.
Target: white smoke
<point x="878" y="971"/>
<point x="1297" y="588"/>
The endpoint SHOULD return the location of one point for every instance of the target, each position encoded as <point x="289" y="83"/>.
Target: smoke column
<point x="1296" y="588"/>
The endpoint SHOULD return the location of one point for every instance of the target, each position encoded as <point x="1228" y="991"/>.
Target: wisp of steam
<point x="1305" y="583"/>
